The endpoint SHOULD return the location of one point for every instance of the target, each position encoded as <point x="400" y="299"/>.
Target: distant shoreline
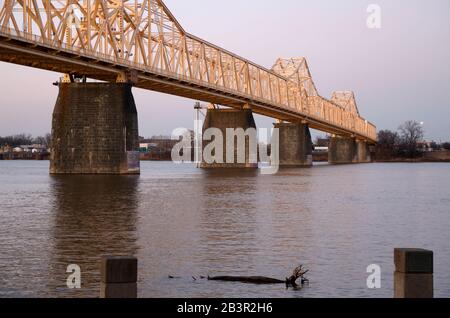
<point x="400" y="160"/>
<point x="420" y="160"/>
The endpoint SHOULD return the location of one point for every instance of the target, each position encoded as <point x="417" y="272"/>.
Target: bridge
<point x="140" y="43"/>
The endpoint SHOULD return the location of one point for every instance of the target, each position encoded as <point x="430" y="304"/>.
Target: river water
<point x="184" y="222"/>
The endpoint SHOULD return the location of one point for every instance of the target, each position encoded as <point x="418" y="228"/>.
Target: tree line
<point x="405" y="142"/>
<point x="25" y="139"/>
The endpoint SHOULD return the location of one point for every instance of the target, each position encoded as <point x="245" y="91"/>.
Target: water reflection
<point x="228" y="218"/>
<point x="264" y="220"/>
<point x="287" y="198"/>
<point x="93" y="216"/>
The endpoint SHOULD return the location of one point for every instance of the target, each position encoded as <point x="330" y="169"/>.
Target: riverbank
<point x="406" y="160"/>
<point x="393" y="160"/>
<point x="24" y="156"/>
<point x="433" y="156"/>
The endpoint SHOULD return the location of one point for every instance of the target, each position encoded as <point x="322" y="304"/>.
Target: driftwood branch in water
<point x="260" y="280"/>
<point x="248" y="279"/>
<point x="298" y="273"/>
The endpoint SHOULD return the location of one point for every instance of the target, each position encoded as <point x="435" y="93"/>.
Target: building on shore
<point x="24" y="152"/>
<point x="159" y="148"/>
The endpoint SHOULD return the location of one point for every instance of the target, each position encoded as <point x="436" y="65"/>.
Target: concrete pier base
<point x="295" y="145"/>
<point x="345" y="150"/>
<point x="223" y="120"/>
<point x="341" y="150"/>
<point x="95" y="130"/>
<point x="362" y="153"/>
<point x="413" y="277"/>
<point x="118" y="277"/>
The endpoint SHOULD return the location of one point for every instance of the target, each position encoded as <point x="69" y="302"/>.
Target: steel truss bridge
<point x="141" y="41"/>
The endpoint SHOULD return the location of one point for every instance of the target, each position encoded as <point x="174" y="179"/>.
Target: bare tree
<point x="48" y="140"/>
<point x="411" y="133"/>
<point x="322" y="141"/>
<point x="388" y="138"/>
<point x="39" y="140"/>
<point x="16" y="140"/>
<point x="387" y="145"/>
<point x="43" y="140"/>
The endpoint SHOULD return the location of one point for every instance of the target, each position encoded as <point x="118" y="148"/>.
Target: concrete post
<point x="95" y="130"/>
<point x="222" y="120"/>
<point x="413" y="277"/>
<point x="118" y="277"/>
<point x="295" y="145"/>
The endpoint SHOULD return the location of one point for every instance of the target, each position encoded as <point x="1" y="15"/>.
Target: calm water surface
<point x="186" y="222"/>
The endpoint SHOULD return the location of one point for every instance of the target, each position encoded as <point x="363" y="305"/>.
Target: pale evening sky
<point x="399" y="72"/>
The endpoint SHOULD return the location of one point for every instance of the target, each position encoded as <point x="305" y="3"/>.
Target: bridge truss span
<point x="103" y="39"/>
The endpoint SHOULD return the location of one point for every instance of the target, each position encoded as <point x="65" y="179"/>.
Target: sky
<point x="399" y="72"/>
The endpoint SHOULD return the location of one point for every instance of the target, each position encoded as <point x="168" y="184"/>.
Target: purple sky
<point x="399" y="72"/>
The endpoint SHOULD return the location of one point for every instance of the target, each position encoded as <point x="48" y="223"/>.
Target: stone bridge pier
<point x="345" y="150"/>
<point x="222" y="121"/>
<point x="363" y="153"/>
<point x="295" y="145"/>
<point x="95" y="130"/>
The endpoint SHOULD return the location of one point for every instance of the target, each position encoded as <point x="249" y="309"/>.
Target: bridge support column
<point x="362" y="152"/>
<point x="345" y="150"/>
<point x="221" y="120"/>
<point x="95" y="130"/>
<point x="295" y="145"/>
<point x="342" y="150"/>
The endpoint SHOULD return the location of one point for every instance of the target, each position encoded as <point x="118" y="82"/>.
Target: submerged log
<point x="261" y="280"/>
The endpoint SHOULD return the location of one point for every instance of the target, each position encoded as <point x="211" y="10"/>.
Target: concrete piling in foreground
<point x="413" y="277"/>
<point x="118" y="277"/>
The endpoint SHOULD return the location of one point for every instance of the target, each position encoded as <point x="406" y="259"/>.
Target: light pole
<point x="198" y="135"/>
